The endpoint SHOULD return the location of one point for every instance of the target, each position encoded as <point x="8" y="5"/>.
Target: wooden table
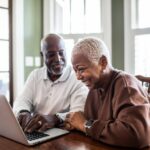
<point x="71" y="141"/>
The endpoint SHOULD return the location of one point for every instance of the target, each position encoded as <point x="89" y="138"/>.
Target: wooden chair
<point x="145" y="81"/>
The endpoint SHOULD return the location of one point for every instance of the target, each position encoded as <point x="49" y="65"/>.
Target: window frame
<point x="10" y="71"/>
<point x="131" y="30"/>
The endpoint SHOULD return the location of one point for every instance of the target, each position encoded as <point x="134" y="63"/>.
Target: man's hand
<point x="76" y="120"/>
<point x="41" y="123"/>
<point x="24" y="118"/>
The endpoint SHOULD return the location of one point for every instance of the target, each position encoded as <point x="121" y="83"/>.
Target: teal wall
<point x="33" y="30"/>
<point x="118" y="34"/>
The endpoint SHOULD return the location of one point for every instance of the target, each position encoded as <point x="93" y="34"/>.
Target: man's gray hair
<point x="93" y="48"/>
<point x="50" y="35"/>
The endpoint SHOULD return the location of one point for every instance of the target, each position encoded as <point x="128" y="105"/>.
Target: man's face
<point x="86" y="71"/>
<point x="54" y="55"/>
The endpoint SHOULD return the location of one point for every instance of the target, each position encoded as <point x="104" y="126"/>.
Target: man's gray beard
<point x="58" y="73"/>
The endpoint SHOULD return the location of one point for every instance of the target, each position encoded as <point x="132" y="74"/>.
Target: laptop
<point x="10" y="127"/>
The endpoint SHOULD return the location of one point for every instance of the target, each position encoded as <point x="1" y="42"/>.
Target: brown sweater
<point x="121" y="112"/>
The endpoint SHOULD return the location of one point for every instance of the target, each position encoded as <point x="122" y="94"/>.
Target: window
<point x="142" y="54"/>
<point x="137" y="36"/>
<point x="5" y="42"/>
<point x="140" y="11"/>
<point x="75" y="19"/>
<point x="74" y="16"/>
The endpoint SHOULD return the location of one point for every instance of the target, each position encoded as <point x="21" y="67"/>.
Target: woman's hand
<point x="76" y="120"/>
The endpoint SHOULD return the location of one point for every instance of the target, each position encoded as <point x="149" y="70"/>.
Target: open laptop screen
<point x="10" y="128"/>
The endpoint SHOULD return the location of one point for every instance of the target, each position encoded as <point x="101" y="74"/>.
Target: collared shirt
<point x="121" y="112"/>
<point x="44" y="96"/>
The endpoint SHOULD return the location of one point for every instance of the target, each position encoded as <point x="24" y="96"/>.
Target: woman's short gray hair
<point x="93" y="48"/>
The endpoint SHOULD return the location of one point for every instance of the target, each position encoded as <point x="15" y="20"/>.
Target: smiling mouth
<point x="58" y="66"/>
<point x="86" y="83"/>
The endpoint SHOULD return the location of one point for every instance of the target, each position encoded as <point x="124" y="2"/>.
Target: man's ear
<point x="103" y="62"/>
<point x="41" y="54"/>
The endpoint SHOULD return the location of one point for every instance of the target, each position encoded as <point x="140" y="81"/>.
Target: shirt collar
<point x="111" y="77"/>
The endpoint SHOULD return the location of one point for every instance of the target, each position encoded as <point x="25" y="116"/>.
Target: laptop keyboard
<point x="35" y="135"/>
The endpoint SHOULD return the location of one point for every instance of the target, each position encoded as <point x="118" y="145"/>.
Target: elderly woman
<point x="117" y="110"/>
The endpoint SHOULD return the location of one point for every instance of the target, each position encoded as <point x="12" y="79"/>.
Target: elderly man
<point x="117" y="110"/>
<point x="50" y="91"/>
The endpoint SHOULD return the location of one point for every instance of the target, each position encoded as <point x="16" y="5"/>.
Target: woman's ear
<point x="103" y="62"/>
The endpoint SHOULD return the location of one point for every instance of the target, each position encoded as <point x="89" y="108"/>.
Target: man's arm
<point x="24" y="100"/>
<point x="78" y="97"/>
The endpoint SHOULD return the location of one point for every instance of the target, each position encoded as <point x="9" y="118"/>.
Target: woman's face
<point x="86" y="71"/>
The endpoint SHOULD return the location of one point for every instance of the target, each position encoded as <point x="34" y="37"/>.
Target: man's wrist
<point x="58" y="119"/>
<point x="24" y="111"/>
